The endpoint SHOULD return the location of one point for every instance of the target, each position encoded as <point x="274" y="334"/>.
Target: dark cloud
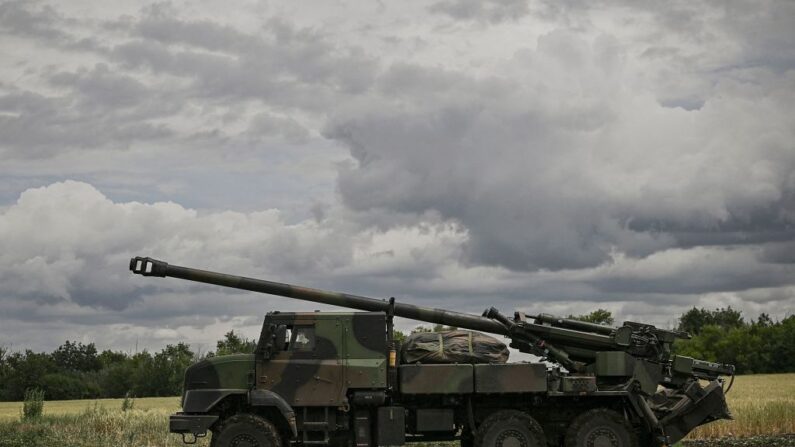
<point x="549" y="156"/>
<point x="36" y="126"/>
<point x="540" y="186"/>
<point x="283" y="65"/>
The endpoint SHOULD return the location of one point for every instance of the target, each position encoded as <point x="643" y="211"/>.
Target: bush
<point x="68" y="385"/>
<point x="33" y="407"/>
<point x="127" y="403"/>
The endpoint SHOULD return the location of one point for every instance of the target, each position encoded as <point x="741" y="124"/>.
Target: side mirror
<point x="265" y="345"/>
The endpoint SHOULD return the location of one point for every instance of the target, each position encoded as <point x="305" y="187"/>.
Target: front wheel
<point x="510" y="428"/>
<point x="600" y="428"/>
<point x="246" y="430"/>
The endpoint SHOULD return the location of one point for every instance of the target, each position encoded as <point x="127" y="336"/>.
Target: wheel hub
<point x="244" y="440"/>
<point x="602" y="437"/>
<point x="511" y="438"/>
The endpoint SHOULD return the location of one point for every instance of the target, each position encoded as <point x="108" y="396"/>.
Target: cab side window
<point x="302" y="338"/>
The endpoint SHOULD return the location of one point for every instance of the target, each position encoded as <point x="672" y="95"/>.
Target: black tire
<point x="467" y="440"/>
<point x="600" y="428"/>
<point x="510" y="428"/>
<point x="246" y="430"/>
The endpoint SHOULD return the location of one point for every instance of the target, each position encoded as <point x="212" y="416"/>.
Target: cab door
<point x="307" y="367"/>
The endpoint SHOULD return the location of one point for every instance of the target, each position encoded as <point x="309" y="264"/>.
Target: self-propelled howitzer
<point x="625" y="381"/>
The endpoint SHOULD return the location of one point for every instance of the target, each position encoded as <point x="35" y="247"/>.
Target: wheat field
<point x="761" y="405"/>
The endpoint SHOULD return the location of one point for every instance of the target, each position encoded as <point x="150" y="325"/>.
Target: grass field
<point x="11" y="410"/>
<point x="761" y="404"/>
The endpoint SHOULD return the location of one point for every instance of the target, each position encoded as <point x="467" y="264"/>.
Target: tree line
<point x="78" y="371"/>
<point x="723" y="336"/>
<point x="753" y="347"/>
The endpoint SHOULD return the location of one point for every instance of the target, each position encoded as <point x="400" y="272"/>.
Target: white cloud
<point x="554" y="155"/>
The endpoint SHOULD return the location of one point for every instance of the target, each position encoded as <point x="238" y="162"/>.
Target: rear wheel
<point x="246" y="430"/>
<point x="600" y="428"/>
<point x="510" y="428"/>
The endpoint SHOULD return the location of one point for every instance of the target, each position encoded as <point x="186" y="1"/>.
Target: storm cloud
<point x="548" y="156"/>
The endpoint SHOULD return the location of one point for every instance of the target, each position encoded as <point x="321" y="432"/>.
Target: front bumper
<point x="195" y="424"/>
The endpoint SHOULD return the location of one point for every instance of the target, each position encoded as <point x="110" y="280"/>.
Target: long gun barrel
<point x="153" y="267"/>
<point x="572" y="343"/>
<point x="585" y="343"/>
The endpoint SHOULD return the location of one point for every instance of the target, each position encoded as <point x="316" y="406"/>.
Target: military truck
<point x="323" y="378"/>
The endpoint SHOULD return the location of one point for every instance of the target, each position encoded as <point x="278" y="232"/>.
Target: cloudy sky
<point x="552" y="156"/>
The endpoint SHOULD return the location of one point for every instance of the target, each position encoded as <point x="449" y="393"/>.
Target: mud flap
<point x="698" y="406"/>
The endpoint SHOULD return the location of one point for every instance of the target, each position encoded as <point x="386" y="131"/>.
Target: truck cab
<point x="317" y="359"/>
<point x="307" y="369"/>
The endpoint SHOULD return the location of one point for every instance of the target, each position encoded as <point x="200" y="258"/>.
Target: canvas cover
<point x="453" y="347"/>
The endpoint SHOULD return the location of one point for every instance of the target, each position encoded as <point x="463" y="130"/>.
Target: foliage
<point x="758" y="347"/>
<point x="694" y="320"/>
<point x="72" y="356"/>
<point x="721" y="335"/>
<point x="398" y="336"/>
<point x="233" y="344"/>
<point x="599" y="316"/>
<point x="69" y="385"/>
<point x="23" y="371"/>
<point x="128" y="403"/>
<point x="435" y="328"/>
<point x="33" y="406"/>
<point x="168" y="368"/>
<point x="75" y="371"/>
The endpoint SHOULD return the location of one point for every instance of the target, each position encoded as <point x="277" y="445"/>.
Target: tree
<point x="68" y="385"/>
<point x="108" y="358"/>
<point x="764" y="320"/>
<point x="233" y="344"/>
<point x="26" y="370"/>
<point x="72" y="356"/>
<point x="398" y="336"/>
<point x="599" y="316"/>
<point x="140" y="370"/>
<point x="694" y="319"/>
<point x="168" y="369"/>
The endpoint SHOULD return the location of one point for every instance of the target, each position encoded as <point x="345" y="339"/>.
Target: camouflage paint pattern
<point x="223" y="372"/>
<point x="436" y="379"/>
<point x="348" y="352"/>
<point x="511" y="378"/>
